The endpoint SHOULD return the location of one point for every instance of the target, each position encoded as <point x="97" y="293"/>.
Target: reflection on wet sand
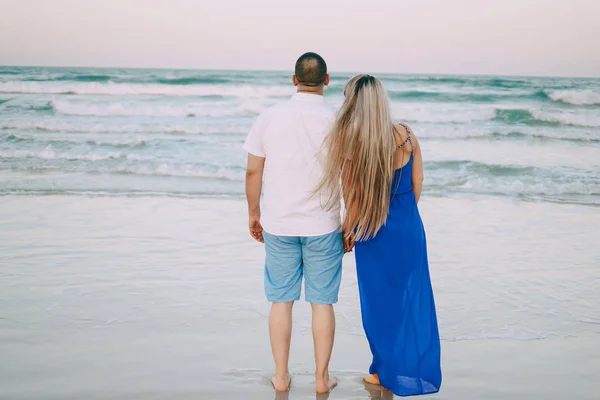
<point x="282" y="395"/>
<point x="286" y="396"/>
<point x="377" y="392"/>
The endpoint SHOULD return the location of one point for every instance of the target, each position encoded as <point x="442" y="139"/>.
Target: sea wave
<point x="510" y="180"/>
<point x="575" y="97"/>
<point x="142" y="138"/>
<point x="49" y="154"/>
<point x="193" y="80"/>
<point x="67" y="107"/>
<point x="117" y="89"/>
<point x="459" y="81"/>
<point x="122" y="162"/>
<point x="509" y="116"/>
<point x="183" y="170"/>
<point x="62" y="126"/>
<point x="478" y="168"/>
<point x="459" y="132"/>
<point x="550" y="118"/>
<point x="508" y="83"/>
<point x="63" y="140"/>
<point x="479" y="95"/>
<point x="446" y="176"/>
<point x="567" y="118"/>
<point x="141" y="77"/>
<point x="578" y="137"/>
<point x="514" y="116"/>
<point x="445" y="96"/>
<point x="527" y="188"/>
<point x="81" y="78"/>
<point x="41" y="107"/>
<point x="20" y="106"/>
<point x="429" y="114"/>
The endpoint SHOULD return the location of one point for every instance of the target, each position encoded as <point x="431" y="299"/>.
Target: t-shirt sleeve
<point x="254" y="142"/>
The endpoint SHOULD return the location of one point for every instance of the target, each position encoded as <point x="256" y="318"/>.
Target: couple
<point x="304" y="158"/>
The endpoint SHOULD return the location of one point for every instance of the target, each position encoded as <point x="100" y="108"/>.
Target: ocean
<point x="127" y="272"/>
<point x="122" y="132"/>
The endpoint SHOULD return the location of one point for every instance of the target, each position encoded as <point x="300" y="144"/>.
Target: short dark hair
<point x="311" y="69"/>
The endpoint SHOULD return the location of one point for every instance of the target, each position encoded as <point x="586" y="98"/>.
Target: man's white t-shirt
<point x="290" y="137"/>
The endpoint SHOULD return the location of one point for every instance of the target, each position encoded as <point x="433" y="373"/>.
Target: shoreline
<point x="428" y="196"/>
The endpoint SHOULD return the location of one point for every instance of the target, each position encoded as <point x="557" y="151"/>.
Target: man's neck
<point x="310" y="90"/>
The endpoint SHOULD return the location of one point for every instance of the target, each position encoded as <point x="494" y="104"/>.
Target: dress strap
<point x="408" y="138"/>
<point x="403" y="143"/>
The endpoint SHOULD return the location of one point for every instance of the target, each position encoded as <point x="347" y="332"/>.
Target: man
<point x="301" y="238"/>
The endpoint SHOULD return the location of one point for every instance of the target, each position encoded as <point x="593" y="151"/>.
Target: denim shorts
<point x="316" y="258"/>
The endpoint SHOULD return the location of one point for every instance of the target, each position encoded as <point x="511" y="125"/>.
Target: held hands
<point x="348" y="242"/>
<point x="256" y="229"/>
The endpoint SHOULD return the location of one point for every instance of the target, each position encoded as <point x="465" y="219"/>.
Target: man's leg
<point x="280" y="330"/>
<point x="283" y="280"/>
<point x="323" y="329"/>
<point x="322" y="259"/>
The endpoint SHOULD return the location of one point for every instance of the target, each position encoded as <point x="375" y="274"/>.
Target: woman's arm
<point x="417" y="170"/>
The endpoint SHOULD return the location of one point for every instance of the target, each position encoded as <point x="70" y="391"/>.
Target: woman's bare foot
<point x="326" y="384"/>
<point x="281" y="384"/>
<point x="372" y="379"/>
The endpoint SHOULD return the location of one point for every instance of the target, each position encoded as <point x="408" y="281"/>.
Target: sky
<point x="493" y="37"/>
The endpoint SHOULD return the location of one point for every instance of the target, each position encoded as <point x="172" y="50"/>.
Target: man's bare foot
<point x="325" y="386"/>
<point x="372" y="379"/>
<point x="281" y="384"/>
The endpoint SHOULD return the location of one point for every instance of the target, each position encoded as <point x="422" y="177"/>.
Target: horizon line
<point x="291" y="71"/>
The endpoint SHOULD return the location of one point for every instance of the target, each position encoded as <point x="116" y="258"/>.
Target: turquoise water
<point x="178" y="133"/>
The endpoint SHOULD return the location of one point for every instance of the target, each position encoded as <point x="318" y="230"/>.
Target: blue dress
<point x="396" y="297"/>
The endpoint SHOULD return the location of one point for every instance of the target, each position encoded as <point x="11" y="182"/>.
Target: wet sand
<point x="161" y="298"/>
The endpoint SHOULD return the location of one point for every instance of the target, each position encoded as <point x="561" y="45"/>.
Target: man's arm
<point x="254" y="178"/>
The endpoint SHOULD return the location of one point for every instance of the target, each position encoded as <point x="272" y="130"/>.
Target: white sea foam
<point x="104" y="139"/>
<point x="50" y="154"/>
<point x="117" y="89"/>
<point x="539" y="186"/>
<point x="568" y="118"/>
<point x="125" y="108"/>
<point x="438" y="114"/>
<point x="467" y="131"/>
<point x="576" y="97"/>
<point x="191" y="128"/>
<point x="132" y="164"/>
<point x="125" y="141"/>
<point x="184" y="170"/>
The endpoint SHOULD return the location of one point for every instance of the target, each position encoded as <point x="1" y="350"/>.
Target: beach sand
<point x="161" y="298"/>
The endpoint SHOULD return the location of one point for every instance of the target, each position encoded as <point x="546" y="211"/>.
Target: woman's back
<point x="403" y="160"/>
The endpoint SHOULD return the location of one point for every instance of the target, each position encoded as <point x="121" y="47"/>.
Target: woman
<point x="381" y="171"/>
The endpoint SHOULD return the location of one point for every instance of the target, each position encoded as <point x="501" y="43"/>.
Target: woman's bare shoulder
<point x="403" y="131"/>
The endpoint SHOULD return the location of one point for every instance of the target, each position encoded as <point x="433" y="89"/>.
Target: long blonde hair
<point x="360" y="152"/>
